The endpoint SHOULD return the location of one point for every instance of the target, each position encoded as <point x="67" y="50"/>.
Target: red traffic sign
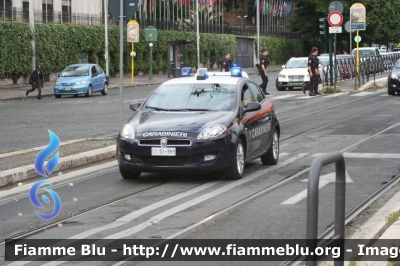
<point x="335" y="19"/>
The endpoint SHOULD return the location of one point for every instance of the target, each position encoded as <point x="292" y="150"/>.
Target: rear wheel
<point x="235" y="171"/>
<point x="126" y="174"/>
<point x="105" y="89"/>
<point x="272" y="155"/>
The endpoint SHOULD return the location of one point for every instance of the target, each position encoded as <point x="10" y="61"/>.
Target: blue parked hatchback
<point x="81" y="79"/>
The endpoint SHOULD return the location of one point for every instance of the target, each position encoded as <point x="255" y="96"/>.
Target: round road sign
<point x="357" y="38"/>
<point x="347" y="26"/>
<point x="335" y="19"/>
<point x="335" y="6"/>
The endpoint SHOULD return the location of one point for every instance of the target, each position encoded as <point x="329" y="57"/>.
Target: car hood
<point x="189" y="122"/>
<point x="71" y="80"/>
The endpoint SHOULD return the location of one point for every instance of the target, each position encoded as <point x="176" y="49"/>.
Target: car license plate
<point x="163" y="151"/>
<point x="294" y="80"/>
<point x="67" y="89"/>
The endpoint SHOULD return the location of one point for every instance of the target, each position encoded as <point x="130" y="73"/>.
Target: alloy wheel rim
<point x="240" y="158"/>
<point x="275" y="145"/>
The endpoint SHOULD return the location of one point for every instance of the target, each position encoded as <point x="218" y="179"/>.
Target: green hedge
<point x="280" y="50"/>
<point x="58" y="45"/>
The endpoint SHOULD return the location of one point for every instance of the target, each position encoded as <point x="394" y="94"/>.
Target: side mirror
<point x="134" y="106"/>
<point x="283" y="66"/>
<point x="253" y="106"/>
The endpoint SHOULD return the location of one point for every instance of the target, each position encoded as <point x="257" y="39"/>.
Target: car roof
<point x="221" y="79"/>
<point x="366" y="48"/>
<point x="298" y="58"/>
<point x="86" y="64"/>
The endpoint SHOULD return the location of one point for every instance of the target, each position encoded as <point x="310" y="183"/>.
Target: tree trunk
<point x="245" y="6"/>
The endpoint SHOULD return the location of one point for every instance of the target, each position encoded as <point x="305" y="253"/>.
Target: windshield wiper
<point x="191" y="109"/>
<point x="157" y="108"/>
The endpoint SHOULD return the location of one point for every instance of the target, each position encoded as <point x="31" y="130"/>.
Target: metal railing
<point x="368" y="67"/>
<point x="58" y="17"/>
<point x="313" y="199"/>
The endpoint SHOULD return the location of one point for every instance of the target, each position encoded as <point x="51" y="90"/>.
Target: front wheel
<point x="235" y="171"/>
<point x="272" y="155"/>
<point x="89" y="91"/>
<point x="57" y="95"/>
<point x="391" y="92"/>
<point x="126" y="174"/>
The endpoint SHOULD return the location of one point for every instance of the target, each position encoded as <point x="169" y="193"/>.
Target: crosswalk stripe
<point x="284" y="96"/>
<point x="364" y="93"/>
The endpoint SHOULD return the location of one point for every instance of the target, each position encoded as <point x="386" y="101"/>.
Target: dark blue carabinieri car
<point x="205" y="123"/>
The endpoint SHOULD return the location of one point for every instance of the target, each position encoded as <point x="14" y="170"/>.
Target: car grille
<point x="171" y="142"/>
<point x="164" y="161"/>
<point x="68" y="84"/>
<point x="296" y="77"/>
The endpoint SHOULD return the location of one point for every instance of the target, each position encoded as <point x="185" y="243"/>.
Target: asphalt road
<point x="362" y="125"/>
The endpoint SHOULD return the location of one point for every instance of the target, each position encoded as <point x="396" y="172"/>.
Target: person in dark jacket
<point x="36" y="79"/>
<point x="263" y="71"/>
<point x="314" y="72"/>
<point x="226" y="63"/>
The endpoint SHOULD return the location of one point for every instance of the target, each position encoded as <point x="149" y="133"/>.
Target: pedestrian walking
<point x="36" y="79"/>
<point x="263" y="71"/>
<point x="226" y="63"/>
<point x="314" y="72"/>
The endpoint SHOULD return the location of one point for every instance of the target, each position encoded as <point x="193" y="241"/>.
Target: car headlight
<point x="282" y="76"/>
<point x="81" y="82"/>
<point x="128" y="132"/>
<point x="212" y="131"/>
<point x="394" y="76"/>
<point x="58" y="83"/>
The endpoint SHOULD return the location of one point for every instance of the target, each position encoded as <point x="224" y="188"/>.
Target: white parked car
<point x="294" y="74"/>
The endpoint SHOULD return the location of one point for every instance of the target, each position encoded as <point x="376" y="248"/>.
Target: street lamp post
<point x="242" y="23"/>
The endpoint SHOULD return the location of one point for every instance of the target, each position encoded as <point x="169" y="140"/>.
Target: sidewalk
<point x="17" y="91"/>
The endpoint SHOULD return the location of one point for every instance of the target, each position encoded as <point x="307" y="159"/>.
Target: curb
<point x="25" y="172"/>
<point x="381" y="83"/>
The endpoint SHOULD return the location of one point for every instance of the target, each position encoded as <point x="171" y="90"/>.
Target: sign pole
<point x="151" y="61"/>
<point x="334" y="53"/>
<point x="133" y="64"/>
<point x="357" y="50"/>
<point x="330" y="61"/>
<point x="121" y="63"/>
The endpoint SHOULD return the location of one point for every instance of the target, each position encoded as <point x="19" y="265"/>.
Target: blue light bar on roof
<point x="186" y="71"/>
<point x="236" y="72"/>
<point x="202" y="74"/>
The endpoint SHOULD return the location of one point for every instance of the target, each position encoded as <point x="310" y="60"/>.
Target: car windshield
<point x="397" y="65"/>
<point x="74" y="71"/>
<point x="297" y="63"/>
<point x="364" y="53"/>
<point x="324" y="60"/>
<point x="192" y="97"/>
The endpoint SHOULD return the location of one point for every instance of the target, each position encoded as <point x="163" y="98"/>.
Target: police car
<point x="209" y="122"/>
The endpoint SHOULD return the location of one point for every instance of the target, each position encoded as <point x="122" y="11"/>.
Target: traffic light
<point x="323" y="27"/>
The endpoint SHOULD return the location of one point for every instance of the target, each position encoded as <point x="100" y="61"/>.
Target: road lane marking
<point x="200" y="199"/>
<point x="324" y="180"/>
<point x="335" y="94"/>
<point x="366" y="155"/>
<point x="283" y="96"/>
